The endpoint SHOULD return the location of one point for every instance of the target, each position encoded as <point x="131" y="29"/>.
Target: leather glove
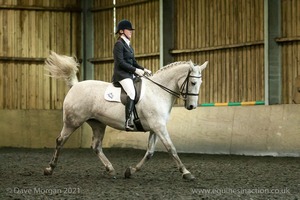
<point x="139" y="72"/>
<point x="147" y="71"/>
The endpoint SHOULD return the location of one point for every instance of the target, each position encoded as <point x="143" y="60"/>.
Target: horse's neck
<point x="170" y="77"/>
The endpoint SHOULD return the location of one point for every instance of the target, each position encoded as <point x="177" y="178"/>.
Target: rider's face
<point x="128" y="33"/>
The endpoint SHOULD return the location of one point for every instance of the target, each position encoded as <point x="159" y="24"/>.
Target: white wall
<point x="250" y="130"/>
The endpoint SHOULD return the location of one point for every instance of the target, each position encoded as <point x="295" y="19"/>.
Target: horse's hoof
<point x="113" y="175"/>
<point x="48" y="171"/>
<point x="188" y="176"/>
<point x="127" y="173"/>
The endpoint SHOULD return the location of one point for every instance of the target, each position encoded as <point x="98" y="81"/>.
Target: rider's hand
<point x="139" y="72"/>
<point x="147" y="71"/>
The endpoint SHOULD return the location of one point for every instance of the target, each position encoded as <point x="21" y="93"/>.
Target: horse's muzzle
<point x="190" y="107"/>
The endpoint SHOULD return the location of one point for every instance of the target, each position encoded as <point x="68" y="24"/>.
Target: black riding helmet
<point x="124" y="24"/>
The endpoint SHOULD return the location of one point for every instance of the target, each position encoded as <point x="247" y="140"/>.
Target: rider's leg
<point x="128" y="86"/>
<point x="128" y="111"/>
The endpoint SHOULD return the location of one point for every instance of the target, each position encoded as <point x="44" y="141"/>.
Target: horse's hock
<point x="296" y="90"/>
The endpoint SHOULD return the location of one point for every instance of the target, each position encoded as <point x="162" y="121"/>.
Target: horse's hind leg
<point x="149" y="153"/>
<point x="60" y="141"/>
<point x="98" y="134"/>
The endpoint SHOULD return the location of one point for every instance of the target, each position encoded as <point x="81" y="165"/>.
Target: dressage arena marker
<point x="245" y="103"/>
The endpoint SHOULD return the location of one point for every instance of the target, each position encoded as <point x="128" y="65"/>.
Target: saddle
<point x="114" y="92"/>
<point x="137" y="82"/>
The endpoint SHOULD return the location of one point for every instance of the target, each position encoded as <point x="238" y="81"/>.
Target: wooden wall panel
<point x="28" y="31"/>
<point x="229" y="34"/>
<point x="290" y="42"/>
<point x="144" y="16"/>
<point x="145" y="41"/>
<point x="104" y="38"/>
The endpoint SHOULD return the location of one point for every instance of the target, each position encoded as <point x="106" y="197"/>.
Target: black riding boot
<point x="128" y="111"/>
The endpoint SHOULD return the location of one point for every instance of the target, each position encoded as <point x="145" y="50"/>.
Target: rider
<point x="126" y="67"/>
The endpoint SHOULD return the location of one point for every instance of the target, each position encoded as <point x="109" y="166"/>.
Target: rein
<point x="176" y="94"/>
<point x="182" y="95"/>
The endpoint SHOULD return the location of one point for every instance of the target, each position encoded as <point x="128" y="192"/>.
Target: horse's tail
<point x="63" y="67"/>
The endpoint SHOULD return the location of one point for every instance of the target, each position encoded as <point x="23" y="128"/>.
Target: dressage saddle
<point x="137" y="82"/>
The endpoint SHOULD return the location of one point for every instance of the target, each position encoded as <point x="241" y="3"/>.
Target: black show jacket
<point x="124" y="61"/>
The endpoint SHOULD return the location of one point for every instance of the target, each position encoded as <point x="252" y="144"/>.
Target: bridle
<point x="181" y="95"/>
<point x="186" y="85"/>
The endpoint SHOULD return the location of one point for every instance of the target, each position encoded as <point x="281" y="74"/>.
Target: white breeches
<point x="128" y="86"/>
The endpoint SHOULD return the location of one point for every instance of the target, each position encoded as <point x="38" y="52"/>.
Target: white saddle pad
<point x="113" y="93"/>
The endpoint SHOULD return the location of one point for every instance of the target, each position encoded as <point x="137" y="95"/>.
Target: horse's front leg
<point x="166" y="140"/>
<point x="149" y="153"/>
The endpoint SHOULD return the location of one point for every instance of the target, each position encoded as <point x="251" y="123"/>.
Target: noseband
<point x="181" y="95"/>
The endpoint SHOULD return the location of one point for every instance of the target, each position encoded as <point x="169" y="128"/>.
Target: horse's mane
<point x="172" y="65"/>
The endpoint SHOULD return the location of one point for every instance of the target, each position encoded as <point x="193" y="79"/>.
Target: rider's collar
<point x="125" y="39"/>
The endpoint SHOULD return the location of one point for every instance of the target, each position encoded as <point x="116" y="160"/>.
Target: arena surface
<point x="80" y="175"/>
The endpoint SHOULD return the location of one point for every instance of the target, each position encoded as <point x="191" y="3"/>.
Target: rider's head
<point x="125" y="28"/>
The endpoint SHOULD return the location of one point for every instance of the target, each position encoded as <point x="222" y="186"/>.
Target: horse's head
<point x="190" y="87"/>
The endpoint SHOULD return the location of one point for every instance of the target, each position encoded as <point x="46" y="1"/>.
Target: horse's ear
<point x="191" y="63"/>
<point x="203" y="66"/>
